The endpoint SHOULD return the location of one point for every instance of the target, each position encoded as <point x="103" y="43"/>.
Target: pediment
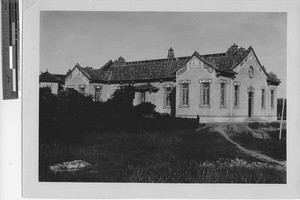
<point x="250" y="57"/>
<point x="195" y="64"/>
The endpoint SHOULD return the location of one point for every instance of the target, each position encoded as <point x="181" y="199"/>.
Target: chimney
<point x="171" y="53"/>
<point x="120" y="61"/>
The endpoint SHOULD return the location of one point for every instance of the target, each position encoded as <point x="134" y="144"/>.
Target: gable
<point x="250" y="70"/>
<point x="195" y="67"/>
<point x="251" y="59"/>
<point x="77" y="75"/>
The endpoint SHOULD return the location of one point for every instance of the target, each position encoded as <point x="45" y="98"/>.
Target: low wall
<point x="211" y="119"/>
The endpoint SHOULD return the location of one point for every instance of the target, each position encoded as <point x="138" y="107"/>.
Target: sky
<point x="93" y="38"/>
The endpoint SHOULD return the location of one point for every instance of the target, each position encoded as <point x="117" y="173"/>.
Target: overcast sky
<point x="93" y="38"/>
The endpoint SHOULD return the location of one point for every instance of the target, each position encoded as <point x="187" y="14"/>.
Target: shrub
<point x="70" y="115"/>
<point x="144" y="109"/>
<point x="64" y="116"/>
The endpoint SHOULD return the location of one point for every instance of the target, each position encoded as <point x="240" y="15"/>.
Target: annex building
<point x="230" y="86"/>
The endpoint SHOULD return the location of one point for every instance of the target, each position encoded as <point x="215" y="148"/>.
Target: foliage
<point x="69" y="115"/>
<point x="123" y="96"/>
<point x="64" y="115"/>
<point x="145" y="109"/>
<point x="273" y="77"/>
<point x="235" y="50"/>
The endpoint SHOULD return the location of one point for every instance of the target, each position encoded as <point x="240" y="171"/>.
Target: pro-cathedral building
<point x="230" y="86"/>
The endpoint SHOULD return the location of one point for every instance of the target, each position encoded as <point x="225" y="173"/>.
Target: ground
<point x="214" y="153"/>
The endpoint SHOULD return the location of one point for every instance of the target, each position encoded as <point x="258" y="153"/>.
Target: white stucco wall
<point x="193" y="74"/>
<point x="195" y="71"/>
<point x="257" y="82"/>
<point x="156" y="98"/>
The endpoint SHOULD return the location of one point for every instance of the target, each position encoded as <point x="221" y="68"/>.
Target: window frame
<point x="205" y="91"/>
<point x="167" y="97"/>
<point x="223" y="93"/>
<point x="272" y="98"/>
<point x="142" y="97"/>
<point x="263" y="98"/>
<point x="205" y="103"/>
<point x="181" y="83"/>
<point x="236" y="95"/>
<point x="96" y="95"/>
<point x="80" y="87"/>
<point x="185" y="94"/>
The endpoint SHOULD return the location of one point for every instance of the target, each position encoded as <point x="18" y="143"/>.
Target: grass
<point x="272" y="146"/>
<point x="158" y="157"/>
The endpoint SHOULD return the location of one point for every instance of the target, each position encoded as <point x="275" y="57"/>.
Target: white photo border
<point x="31" y="187"/>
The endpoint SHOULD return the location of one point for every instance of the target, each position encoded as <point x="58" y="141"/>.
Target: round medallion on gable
<point x="251" y="72"/>
<point x="195" y="64"/>
<point x="76" y="72"/>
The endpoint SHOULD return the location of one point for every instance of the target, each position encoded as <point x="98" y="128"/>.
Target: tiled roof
<point x="145" y="88"/>
<point x="48" y="77"/>
<point x="229" y="60"/>
<point x="60" y="77"/>
<point x="158" y="69"/>
<point x="96" y="74"/>
<point x="146" y="70"/>
<point x="166" y="68"/>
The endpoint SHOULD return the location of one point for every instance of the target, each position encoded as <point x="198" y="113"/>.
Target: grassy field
<point x="200" y="156"/>
<point x="267" y="143"/>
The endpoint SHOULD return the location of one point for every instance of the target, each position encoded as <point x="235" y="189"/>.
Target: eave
<point x="230" y="74"/>
<point x="271" y="82"/>
<point x="141" y="80"/>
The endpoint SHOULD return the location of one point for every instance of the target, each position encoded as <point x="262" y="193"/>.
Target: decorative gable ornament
<point x="251" y="72"/>
<point x="181" y="70"/>
<point x="210" y="70"/>
<point x="205" y="81"/>
<point x="76" y="72"/>
<point x="195" y="64"/>
<point x="171" y="53"/>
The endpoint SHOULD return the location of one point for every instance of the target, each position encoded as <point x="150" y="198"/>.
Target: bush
<point x="70" y="115"/>
<point x="145" y="109"/>
<point x="65" y="115"/>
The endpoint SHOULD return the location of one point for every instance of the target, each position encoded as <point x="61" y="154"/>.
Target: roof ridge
<point x="157" y="60"/>
<point x="214" y="55"/>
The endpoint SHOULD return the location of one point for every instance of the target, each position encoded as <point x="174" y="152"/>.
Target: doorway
<point x="250" y="104"/>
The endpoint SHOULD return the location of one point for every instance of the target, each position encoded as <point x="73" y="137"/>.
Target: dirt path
<point x="221" y="129"/>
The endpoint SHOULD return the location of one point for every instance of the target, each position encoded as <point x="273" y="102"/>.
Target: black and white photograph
<point x="163" y="97"/>
<point x="130" y="99"/>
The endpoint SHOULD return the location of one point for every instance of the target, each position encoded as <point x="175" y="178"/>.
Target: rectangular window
<point x="272" y="98"/>
<point x="185" y="94"/>
<point x="205" y="94"/>
<point x="222" y="95"/>
<point x="143" y="97"/>
<point x="263" y="97"/>
<point x="81" y="89"/>
<point x="168" y="91"/>
<point x="97" y="93"/>
<point x="236" y="95"/>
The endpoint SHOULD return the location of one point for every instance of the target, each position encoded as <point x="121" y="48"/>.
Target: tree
<point x="121" y="102"/>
